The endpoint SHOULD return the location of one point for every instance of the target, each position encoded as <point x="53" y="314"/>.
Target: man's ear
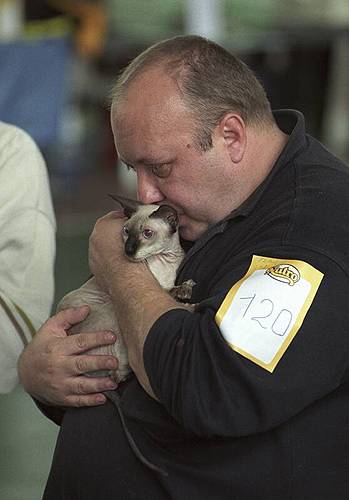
<point x="129" y="206"/>
<point x="232" y="129"/>
<point x="168" y="214"/>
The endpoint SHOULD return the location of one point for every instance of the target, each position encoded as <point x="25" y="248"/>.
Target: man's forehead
<point x="150" y="117"/>
<point x="154" y="77"/>
<point x="137" y="143"/>
<point x="151" y="91"/>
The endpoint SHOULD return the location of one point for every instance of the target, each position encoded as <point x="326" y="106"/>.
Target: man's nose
<point x="147" y="189"/>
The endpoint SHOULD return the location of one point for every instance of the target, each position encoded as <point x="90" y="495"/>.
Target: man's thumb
<point x="69" y="317"/>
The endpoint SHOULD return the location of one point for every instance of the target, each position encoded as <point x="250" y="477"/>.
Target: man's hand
<point x="107" y="259"/>
<point x="52" y="366"/>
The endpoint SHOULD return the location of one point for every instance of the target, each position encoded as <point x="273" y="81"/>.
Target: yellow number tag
<point x="263" y="311"/>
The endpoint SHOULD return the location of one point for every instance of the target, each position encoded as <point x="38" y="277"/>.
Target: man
<point x="27" y="247"/>
<point x="247" y="397"/>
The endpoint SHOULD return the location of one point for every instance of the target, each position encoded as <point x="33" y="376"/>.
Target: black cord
<point x="115" y="400"/>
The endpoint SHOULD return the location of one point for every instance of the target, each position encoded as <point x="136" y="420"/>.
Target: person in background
<point x="85" y="18"/>
<point x="50" y="38"/>
<point x="27" y="247"/>
<point x="247" y="396"/>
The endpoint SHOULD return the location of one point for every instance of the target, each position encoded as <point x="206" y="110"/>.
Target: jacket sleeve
<point x="54" y="413"/>
<point x="212" y="390"/>
<point x="27" y="247"/>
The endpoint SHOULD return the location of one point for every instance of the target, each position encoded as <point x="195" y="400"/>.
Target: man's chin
<point x="186" y="235"/>
<point x="192" y="231"/>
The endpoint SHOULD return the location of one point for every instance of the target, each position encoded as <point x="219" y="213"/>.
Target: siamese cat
<point x="150" y="234"/>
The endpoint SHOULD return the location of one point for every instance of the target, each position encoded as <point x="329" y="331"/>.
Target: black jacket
<point x="227" y="427"/>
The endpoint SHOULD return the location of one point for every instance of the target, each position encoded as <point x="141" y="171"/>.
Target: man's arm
<point x="138" y="298"/>
<point x="203" y="382"/>
<point x="139" y="301"/>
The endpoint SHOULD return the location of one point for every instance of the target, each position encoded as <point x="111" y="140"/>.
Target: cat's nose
<point x="131" y="246"/>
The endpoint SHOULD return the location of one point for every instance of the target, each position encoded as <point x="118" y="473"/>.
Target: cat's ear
<point x="169" y="215"/>
<point x="129" y="206"/>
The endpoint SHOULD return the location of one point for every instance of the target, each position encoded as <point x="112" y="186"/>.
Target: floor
<point x="27" y="437"/>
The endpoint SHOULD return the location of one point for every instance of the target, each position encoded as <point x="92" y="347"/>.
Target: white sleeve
<point x="27" y="247"/>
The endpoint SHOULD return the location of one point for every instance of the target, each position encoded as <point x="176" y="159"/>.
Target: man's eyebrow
<point x="147" y="160"/>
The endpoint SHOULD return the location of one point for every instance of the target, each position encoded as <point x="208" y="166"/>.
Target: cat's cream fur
<point x="162" y="252"/>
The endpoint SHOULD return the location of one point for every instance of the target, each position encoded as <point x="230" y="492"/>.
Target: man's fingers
<point x="83" y="385"/>
<point x="92" y="363"/>
<point x="68" y="317"/>
<point x="82" y="342"/>
<point x="87" y="391"/>
<point x="87" y="400"/>
<point x="79" y="390"/>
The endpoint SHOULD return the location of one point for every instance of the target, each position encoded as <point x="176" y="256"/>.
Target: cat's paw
<point x="184" y="291"/>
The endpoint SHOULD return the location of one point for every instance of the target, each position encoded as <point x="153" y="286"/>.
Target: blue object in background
<point x="33" y="87"/>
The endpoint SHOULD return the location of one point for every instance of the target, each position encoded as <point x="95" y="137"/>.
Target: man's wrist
<point x="127" y="278"/>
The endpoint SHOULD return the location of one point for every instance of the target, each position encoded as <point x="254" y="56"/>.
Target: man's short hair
<point x="211" y="80"/>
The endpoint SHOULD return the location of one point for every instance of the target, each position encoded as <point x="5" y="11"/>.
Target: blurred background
<point x="58" y="62"/>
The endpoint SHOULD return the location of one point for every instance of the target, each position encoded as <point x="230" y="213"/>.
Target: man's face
<point x="154" y="135"/>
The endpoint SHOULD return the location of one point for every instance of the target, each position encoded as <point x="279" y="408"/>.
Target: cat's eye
<point x="125" y="231"/>
<point x="148" y="233"/>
